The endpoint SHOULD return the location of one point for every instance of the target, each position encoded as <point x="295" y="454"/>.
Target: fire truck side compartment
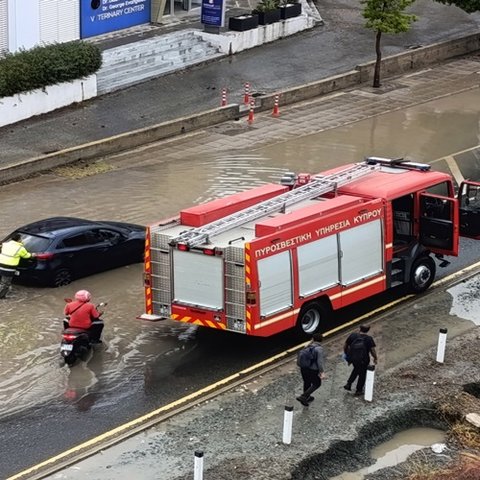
<point x="325" y="207"/>
<point x="209" y="212"/>
<point x="275" y="280"/>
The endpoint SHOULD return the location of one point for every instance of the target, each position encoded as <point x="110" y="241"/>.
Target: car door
<point x="469" y="207"/>
<point x="85" y="252"/>
<point x="116" y="253"/>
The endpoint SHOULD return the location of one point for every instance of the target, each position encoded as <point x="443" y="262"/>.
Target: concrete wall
<point x="234" y="42"/>
<point x="421" y="57"/>
<point x="310" y="90"/>
<point x="118" y="143"/>
<point x="26" y="105"/>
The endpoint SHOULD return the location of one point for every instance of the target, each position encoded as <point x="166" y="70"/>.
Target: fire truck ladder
<point x="318" y="186"/>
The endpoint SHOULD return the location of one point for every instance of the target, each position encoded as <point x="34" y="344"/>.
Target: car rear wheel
<point x="61" y="277"/>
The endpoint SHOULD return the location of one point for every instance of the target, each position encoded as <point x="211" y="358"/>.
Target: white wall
<point x="26" y="105"/>
<point x="23" y="24"/>
<point x="31" y="22"/>
<point x="234" y="42"/>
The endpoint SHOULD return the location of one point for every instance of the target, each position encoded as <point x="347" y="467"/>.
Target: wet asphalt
<point x="337" y="46"/>
<point x="241" y="432"/>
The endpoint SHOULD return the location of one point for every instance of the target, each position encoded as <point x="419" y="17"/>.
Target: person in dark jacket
<point x="313" y="376"/>
<point x="358" y="348"/>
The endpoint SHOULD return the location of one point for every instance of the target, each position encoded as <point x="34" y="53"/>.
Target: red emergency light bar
<point x="206" y="251"/>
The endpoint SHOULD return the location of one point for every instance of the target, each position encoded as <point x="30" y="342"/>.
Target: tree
<point x="469" y="6"/>
<point x="386" y="16"/>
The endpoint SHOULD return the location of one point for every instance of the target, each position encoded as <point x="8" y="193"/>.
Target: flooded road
<point x="145" y="365"/>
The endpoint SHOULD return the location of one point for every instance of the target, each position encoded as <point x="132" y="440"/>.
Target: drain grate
<point x="232" y="129"/>
<point x="386" y="88"/>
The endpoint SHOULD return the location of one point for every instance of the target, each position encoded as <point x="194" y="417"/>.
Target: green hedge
<point x="42" y="66"/>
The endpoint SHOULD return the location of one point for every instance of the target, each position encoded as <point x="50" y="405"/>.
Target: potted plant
<point x="241" y="23"/>
<point x="268" y="11"/>
<point x="290" y="9"/>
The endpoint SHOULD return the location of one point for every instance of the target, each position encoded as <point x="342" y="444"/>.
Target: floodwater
<point x="154" y="188"/>
<point x="396" y="450"/>
<point x="466" y="300"/>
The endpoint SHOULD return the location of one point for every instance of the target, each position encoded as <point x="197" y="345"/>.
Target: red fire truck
<point x="282" y="256"/>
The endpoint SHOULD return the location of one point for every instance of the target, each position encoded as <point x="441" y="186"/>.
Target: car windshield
<point x="35" y="243"/>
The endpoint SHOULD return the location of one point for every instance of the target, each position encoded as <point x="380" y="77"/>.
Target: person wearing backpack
<point x="358" y="348"/>
<point x="311" y="362"/>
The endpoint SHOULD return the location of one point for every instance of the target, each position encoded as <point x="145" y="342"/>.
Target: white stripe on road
<point x="457" y="174"/>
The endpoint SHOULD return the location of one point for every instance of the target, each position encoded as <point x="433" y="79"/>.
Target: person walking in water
<point x="11" y="252"/>
<point x="311" y="362"/>
<point x="358" y="348"/>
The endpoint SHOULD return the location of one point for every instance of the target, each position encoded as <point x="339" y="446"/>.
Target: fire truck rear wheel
<point x="311" y="317"/>
<point x="422" y="274"/>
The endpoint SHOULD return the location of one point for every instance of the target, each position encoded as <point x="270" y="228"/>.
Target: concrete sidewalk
<point x="331" y="49"/>
<point x="240" y="432"/>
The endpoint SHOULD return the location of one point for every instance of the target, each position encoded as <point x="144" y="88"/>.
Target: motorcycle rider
<point x="11" y="253"/>
<point x="82" y="314"/>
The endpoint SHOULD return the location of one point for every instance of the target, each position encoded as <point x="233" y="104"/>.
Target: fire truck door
<point x="438" y="223"/>
<point x="469" y="205"/>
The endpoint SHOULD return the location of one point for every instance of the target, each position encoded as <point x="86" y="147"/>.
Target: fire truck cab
<point x="282" y="256"/>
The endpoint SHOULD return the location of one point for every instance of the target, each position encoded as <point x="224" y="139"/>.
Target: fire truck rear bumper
<point x="151" y="318"/>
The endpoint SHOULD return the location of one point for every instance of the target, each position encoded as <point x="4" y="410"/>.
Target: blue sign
<point x="103" y="16"/>
<point x="213" y="12"/>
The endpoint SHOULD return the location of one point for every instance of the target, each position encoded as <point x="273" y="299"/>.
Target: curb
<point x="393" y="65"/>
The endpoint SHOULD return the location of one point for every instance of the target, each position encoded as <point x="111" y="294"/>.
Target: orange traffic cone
<point x="276" y="110"/>
<point x="251" y="112"/>
<point x="246" y="95"/>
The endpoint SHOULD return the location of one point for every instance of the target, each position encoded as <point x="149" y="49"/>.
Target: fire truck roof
<point x="387" y="182"/>
<point x="392" y="182"/>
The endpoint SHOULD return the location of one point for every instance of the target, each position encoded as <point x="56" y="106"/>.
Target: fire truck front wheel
<point x="422" y="274"/>
<point x="311" y="317"/>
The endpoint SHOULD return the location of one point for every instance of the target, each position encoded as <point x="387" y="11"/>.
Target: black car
<point x="70" y="248"/>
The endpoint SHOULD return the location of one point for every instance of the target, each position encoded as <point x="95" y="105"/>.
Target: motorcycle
<point x="76" y="342"/>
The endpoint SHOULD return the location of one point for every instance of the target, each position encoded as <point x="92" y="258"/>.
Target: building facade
<point x="26" y="23"/>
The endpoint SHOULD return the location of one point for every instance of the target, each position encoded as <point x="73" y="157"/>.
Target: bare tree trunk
<point x="378" y="63"/>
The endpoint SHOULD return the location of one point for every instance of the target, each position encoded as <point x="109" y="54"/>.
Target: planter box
<point x="290" y="10"/>
<point x="243" y="22"/>
<point x="272" y="16"/>
<point x="25" y="105"/>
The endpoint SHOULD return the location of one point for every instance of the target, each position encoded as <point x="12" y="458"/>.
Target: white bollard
<point x="369" y="383"/>
<point x="442" y="343"/>
<point x="198" y="468"/>
<point x="287" y="425"/>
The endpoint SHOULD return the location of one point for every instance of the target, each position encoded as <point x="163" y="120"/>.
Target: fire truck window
<point x="402" y="216"/>
<point x="432" y="207"/>
<point x="439" y="189"/>
<point x="470" y="197"/>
